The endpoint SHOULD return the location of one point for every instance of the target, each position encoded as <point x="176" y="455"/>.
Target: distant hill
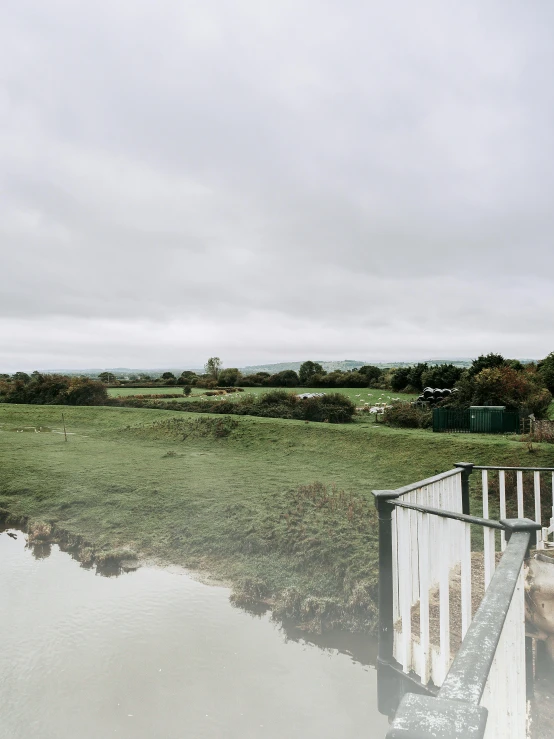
<point x="329" y="366"/>
<point x="344" y="364"/>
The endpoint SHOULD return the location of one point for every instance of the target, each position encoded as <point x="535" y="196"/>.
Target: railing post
<point x="387" y="679"/>
<point x="467" y="469"/>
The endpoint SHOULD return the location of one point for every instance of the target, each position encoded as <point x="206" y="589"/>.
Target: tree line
<point x="491" y="379"/>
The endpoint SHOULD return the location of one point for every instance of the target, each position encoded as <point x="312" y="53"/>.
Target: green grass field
<point x="222" y="493"/>
<point x="360" y="396"/>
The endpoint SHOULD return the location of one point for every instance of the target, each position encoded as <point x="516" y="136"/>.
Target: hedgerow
<point x="330" y="408"/>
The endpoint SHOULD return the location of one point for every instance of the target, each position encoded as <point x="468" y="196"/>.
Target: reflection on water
<point x="156" y="654"/>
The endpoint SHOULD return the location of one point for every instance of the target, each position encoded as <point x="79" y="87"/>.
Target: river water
<point x="155" y="654"/>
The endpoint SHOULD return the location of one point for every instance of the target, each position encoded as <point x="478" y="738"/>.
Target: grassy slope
<point x="229" y="503"/>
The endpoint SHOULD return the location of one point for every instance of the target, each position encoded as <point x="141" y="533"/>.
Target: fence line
<point x="425" y="577"/>
<point x="532" y="507"/>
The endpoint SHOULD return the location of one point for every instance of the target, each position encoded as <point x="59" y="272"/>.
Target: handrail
<point x="516" y="469"/>
<point x="414" y="486"/>
<point x="489" y="523"/>
<point x="456" y="712"/>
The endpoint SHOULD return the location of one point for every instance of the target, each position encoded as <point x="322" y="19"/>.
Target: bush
<point x="54" y="390"/>
<point x="206" y="383"/>
<point x="407" y="415"/>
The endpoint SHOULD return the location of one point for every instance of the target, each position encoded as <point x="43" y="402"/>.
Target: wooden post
<point x="387" y="680"/>
<point x="64" y="431"/>
<point x="467" y="469"/>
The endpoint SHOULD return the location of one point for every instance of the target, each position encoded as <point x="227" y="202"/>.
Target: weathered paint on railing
<point x="414" y="572"/>
<point x="433" y="516"/>
<point x="487" y="678"/>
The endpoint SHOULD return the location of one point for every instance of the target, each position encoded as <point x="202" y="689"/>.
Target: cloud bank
<point x="274" y="181"/>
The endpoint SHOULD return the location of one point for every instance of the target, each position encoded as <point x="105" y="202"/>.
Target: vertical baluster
<point x="433" y="503"/>
<point x="502" y="487"/>
<point x="488" y="534"/>
<point x="424" y="598"/>
<point x="537" y="490"/>
<point x="466" y="578"/>
<point x="395" y="606"/>
<point x="444" y="600"/>
<point x="552" y="517"/>
<point x="414" y="554"/>
<point x="519" y="478"/>
<point x="454" y="559"/>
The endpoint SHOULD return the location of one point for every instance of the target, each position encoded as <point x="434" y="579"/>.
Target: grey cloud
<point x="335" y="168"/>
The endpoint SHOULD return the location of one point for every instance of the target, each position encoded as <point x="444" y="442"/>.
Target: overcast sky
<point x="269" y="180"/>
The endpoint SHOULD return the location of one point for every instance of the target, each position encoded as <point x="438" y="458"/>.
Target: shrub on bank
<point x="409" y="416"/>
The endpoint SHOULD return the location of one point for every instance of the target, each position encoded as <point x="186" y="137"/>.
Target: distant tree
<point x="213" y="367"/>
<point x="308" y="370"/>
<point x="83" y="391"/>
<point x="415" y="375"/>
<point x="228" y="377"/>
<point x="502" y="386"/>
<point x="486" y="361"/>
<point x="146" y="378"/>
<point x="168" y="376"/>
<point x="399" y="378"/>
<point x="188" y="377"/>
<point x="372" y="373"/>
<point x="545" y="369"/>
<point x="106" y="377"/>
<point x="187" y="390"/>
<point x="22" y="377"/>
<point x="353" y="379"/>
<point x="286" y="378"/>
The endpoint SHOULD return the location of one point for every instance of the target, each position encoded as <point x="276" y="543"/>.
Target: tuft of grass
<point x="114" y="556"/>
<point x="39" y="531"/>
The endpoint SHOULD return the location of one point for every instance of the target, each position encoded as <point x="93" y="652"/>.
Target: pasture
<point x="233" y="496"/>
<point x="359" y="396"/>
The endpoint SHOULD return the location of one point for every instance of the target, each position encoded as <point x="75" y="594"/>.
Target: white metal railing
<point x="417" y="571"/>
<point x="527" y="506"/>
<point x="418" y="574"/>
<point x="431" y="583"/>
<point x="484" y="694"/>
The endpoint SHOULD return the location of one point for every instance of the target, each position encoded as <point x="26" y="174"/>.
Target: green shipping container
<point x="477" y="419"/>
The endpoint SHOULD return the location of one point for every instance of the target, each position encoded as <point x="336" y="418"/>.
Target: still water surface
<point x="155" y="654"/>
